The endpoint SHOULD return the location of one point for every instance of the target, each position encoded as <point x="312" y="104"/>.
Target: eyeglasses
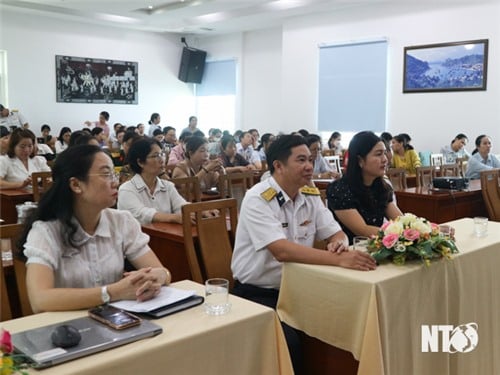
<point x="111" y="176"/>
<point x="160" y="156"/>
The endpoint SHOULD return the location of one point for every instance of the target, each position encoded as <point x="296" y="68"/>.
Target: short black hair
<point x="96" y="131"/>
<point x="4" y="131"/>
<point x="105" y="115"/>
<point x="311" y="139"/>
<point x="139" y="151"/>
<point x="281" y="149"/>
<point x="45" y="126"/>
<point x="166" y="129"/>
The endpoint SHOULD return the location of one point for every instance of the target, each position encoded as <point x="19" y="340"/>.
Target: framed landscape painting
<point x="89" y="80"/>
<point x="456" y="66"/>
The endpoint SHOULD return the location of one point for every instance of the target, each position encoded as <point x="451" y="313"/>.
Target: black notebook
<point x="175" y="307"/>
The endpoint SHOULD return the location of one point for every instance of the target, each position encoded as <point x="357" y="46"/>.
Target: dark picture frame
<point x="89" y="80"/>
<point x="454" y="66"/>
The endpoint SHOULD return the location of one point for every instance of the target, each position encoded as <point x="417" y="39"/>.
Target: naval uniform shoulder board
<point x="309" y="190"/>
<point x="268" y="194"/>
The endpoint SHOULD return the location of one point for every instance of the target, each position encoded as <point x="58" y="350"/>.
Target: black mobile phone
<point x="114" y="317"/>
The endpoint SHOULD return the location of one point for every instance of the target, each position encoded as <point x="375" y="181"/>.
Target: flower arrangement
<point x="10" y="363"/>
<point x="410" y="237"/>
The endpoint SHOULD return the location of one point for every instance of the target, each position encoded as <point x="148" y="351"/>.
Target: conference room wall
<point x="33" y="41"/>
<point x="431" y="118"/>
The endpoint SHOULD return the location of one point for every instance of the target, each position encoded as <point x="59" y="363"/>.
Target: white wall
<point x="432" y="119"/>
<point x="32" y="42"/>
<point x="290" y="57"/>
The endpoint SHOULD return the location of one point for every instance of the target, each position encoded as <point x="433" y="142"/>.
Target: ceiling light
<point x="150" y="7"/>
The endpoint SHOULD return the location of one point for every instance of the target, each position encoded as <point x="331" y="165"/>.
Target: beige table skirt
<point x="247" y="340"/>
<point x="378" y="315"/>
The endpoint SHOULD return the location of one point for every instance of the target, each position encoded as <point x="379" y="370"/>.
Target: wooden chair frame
<point x="227" y="182"/>
<point x="423" y="173"/>
<point x="188" y="187"/>
<point x="491" y="192"/>
<point x="397" y="176"/>
<point x="41" y="182"/>
<point x="437" y="160"/>
<point x="12" y="232"/>
<point x="212" y="257"/>
<point x="334" y="162"/>
<point x="449" y="170"/>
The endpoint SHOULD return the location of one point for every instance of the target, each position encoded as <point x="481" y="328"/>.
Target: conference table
<point x="378" y="315"/>
<point x="247" y="340"/>
<point x="441" y="205"/>
<point x="9" y="198"/>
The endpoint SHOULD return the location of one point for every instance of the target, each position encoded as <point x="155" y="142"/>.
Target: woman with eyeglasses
<point x="75" y="250"/>
<point x="148" y="197"/>
<point x="21" y="161"/>
<point x="197" y="163"/>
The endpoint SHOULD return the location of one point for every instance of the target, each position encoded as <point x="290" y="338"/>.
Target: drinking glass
<point x="360" y="243"/>
<point x="480" y="226"/>
<point x="216" y="296"/>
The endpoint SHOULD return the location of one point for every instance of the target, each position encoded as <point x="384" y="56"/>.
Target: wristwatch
<point x="105" y="297"/>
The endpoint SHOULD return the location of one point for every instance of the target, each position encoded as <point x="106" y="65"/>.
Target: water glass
<point x="6" y="250"/>
<point x="360" y="243"/>
<point x="216" y="296"/>
<point x="480" y="226"/>
<point x="445" y="231"/>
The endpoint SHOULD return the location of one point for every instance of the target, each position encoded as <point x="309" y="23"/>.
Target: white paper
<point x="167" y="296"/>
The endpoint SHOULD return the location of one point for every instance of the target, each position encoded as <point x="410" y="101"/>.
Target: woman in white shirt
<point x="482" y="159"/>
<point x="62" y="142"/>
<point x="148" y="197"/>
<point x="76" y="250"/>
<point x="20" y="162"/>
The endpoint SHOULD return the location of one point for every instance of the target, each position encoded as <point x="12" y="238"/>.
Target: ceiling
<point x="180" y="16"/>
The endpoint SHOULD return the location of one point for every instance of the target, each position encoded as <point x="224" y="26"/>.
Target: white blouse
<point x="13" y="169"/>
<point x="134" y="196"/>
<point x="60" y="147"/>
<point x="96" y="260"/>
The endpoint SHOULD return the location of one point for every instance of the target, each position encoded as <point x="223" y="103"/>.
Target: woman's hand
<point x="337" y="246"/>
<point x="25" y="182"/>
<point x="357" y="260"/>
<point x="213" y="165"/>
<point x="141" y="285"/>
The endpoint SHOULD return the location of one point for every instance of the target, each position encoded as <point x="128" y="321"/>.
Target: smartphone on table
<point x="114" y="317"/>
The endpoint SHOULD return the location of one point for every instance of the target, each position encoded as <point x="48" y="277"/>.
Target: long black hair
<point x="361" y="144"/>
<point x="478" y="143"/>
<point x="57" y="202"/>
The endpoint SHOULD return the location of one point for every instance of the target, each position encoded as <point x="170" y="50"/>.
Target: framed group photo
<point x="88" y="80"/>
<point x="455" y="66"/>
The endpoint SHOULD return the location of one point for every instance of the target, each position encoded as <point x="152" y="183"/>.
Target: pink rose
<point x="411" y="234"/>
<point x="5" y="342"/>
<point x="390" y="240"/>
<point x="385" y="225"/>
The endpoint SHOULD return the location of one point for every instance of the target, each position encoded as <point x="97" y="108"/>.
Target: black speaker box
<point x="192" y="65"/>
<point x="453" y="183"/>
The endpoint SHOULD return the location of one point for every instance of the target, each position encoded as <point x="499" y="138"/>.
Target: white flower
<point x="407" y="219"/>
<point x="400" y="248"/>
<point x="421" y="226"/>
<point x="394" y="228"/>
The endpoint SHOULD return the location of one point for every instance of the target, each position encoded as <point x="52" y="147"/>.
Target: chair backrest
<point x="397" y="176"/>
<point x="437" y="160"/>
<point x="5" y="310"/>
<point x="491" y="192"/>
<point x="450" y="170"/>
<point x="462" y="165"/>
<point x="425" y="158"/>
<point x="41" y="182"/>
<point x="188" y="187"/>
<point x="235" y="185"/>
<point x="334" y="162"/>
<point x="263" y="165"/>
<point x="12" y="232"/>
<point x="212" y="257"/>
<point x="425" y="176"/>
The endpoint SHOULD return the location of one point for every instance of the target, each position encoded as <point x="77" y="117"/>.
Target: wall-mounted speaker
<point x="192" y="65"/>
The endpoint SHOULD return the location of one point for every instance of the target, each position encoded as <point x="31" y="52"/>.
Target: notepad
<point x="168" y="295"/>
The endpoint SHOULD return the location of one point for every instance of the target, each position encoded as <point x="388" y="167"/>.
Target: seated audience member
<point x="334" y="143"/>
<point x="214" y="138"/>
<point x="41" y="149"/>
<point x="177" y="154"/>
<point x="231" y="160"/>
<point x="482" y="159"/>
<point x="197" y="163"/>
<point x="302" y="132"/>
<point x="63" y="140"/>
<point x="4" y="139"/>
<point x="113" y="141"/>
<point x="75" y="250"/>
<point x="12" y="119"/>
<point x="265" y="141"/>
<point x="170" y="138"/>
<point x="126" y="173"/>
<point x="278" y="223"/>
<point x="47" y="138"/>
<point x="154" y="123"/>
<point x="361" y="199"/>
<point x="192" y="126"/>
<point x="245" y="149"/>
<point x="237" y="135"/>
<point x="255" y="136"/>
<point x="141" y="129"/>
<point x="403" y="155"/>
<point x="386" y="137"/>
<point x="20" y="161"/>
<point x="149" y="198"/>
<point x="82" y="137"/>
<point x="98" y="133"/>
<point x="321" y="168"/>
<point x="158" y="135"/>
<point x="456" y="149"/>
